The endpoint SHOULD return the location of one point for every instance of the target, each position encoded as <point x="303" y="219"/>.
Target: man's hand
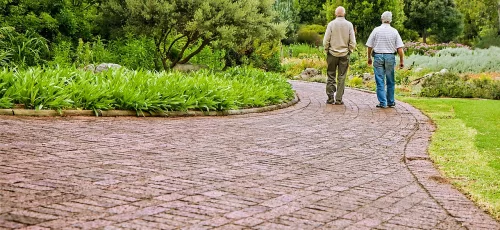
<point x="401" y="64"/>
<point x="369" y="55"/>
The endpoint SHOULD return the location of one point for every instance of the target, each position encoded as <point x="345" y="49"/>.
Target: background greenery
<point x="161" y="34"/>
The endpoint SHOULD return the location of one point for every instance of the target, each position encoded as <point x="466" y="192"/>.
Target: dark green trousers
<point x="336" y="71"/>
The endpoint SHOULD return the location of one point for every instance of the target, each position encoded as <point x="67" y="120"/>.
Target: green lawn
<point x="466" y="145"/>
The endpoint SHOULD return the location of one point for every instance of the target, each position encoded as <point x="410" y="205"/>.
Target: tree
<point x="480" y="17"/>
<point x="365" y="14"/>
<point x="309" y="11"/>
<point x="182" y="28"/>
<point x="434" y="17"/>
<point x="329" y="9"/>
<point x="287" y="13"/>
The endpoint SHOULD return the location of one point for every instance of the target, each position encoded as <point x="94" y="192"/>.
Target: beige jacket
<point x="339" y="37"/>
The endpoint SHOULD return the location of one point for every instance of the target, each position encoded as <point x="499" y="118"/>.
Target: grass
<point x="466" y="145"/>
<point x="142" y="91"/>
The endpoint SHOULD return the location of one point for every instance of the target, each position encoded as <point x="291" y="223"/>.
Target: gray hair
<point x="387" y="17"/>
<point x="340" y="11"/>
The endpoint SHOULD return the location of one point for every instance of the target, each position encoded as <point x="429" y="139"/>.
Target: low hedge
<point x="453" y="85"/>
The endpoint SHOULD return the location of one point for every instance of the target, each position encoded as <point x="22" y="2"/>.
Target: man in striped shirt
<point x="383" y="43"/>
<point x="339" y="42"/>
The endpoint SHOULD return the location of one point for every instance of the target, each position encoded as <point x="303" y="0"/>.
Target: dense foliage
<point x="182" y="28"/>
<point x="159" y="34"/>
<point x="434" y="17"/>
<point x="142" y="91"/>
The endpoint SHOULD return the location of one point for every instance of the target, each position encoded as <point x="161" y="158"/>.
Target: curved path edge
<point x="418" y="162"/>
<point x="122" y="113"/>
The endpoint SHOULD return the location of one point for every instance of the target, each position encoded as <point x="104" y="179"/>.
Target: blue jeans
<point x="383" y="67"/>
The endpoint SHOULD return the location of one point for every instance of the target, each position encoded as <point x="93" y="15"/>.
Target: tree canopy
<point x="434" y="17"/>
<point x="182" y="28"/>
<point x="51" y="19"/>
<point x="481" y="17"/>
<point x="365" y="14"/>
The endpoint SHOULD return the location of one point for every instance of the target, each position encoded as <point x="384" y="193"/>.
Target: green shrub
<point x="261" y="54"/>
<point x="488" y="41"/>
<point x="131" y="52"/>
<point x="22" y="50"/>
<point x="5" y="83"/>
<point x="134" y="53"/>
<point x="358" y="62"/>
<point x="102" y="53"/>
<point x="452" y="85"/>
<point x="62" y="54"/>
<point x="210" y="57"/>
<point x="84" y="54"/>
<point x="4" y="58"/>
<point x="311" y="34"/>
<point x="355" y="82"/>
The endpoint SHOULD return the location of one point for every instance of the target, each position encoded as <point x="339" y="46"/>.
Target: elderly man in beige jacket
<point x="339" y="42"/>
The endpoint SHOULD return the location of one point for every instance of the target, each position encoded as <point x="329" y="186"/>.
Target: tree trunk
<point x="498" y="8"/>
<point x="164" y="62"/>
<point x="424" y="36"/>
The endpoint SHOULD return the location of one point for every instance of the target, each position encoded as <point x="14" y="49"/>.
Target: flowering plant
<point x="429" y="49"/>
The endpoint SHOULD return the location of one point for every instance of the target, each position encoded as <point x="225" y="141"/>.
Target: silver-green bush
<point x="460" y="60"/>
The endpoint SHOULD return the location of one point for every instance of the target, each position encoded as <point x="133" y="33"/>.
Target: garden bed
<point x="142" y="92"/>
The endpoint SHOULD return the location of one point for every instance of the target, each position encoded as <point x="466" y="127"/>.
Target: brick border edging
<point x="420" y="165"/>
<point x="121" y="113"/>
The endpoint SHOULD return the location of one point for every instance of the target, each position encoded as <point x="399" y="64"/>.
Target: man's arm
<point x="401" y="57"/>
<point x="370" y="43"/>
<point x="352" y="40"/>
<point x="369" y="54"/>
<point x="326" y="39"/>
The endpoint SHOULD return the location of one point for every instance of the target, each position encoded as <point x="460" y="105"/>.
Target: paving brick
<point x="308" y="166"/>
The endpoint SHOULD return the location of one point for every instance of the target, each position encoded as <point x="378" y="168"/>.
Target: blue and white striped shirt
<point x="385" y="39"/>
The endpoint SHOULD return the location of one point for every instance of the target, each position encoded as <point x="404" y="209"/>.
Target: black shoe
<point x="339" y="102"/>
<point x="330" y="101"/>
<point x="392" y="105"/>
<point x="381" y="106"/>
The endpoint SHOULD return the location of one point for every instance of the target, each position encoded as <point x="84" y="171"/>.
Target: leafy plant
<point x="28" y="49"/>
<point x="142" y="91"/>
<point x="355" y="82"/>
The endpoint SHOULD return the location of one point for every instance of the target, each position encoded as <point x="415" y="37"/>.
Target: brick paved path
<point x="310" y="166"/>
